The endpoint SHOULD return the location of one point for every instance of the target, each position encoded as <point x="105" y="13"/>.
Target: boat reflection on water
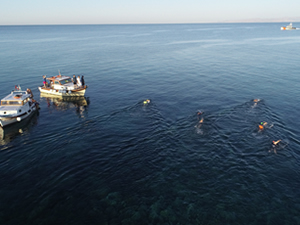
<point x="60" y="103"/>
<point x="8" y="133"/>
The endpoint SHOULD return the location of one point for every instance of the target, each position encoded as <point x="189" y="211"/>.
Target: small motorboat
<point x="17" y="106"/>
<point x="62" y="86"/>
<point x="288" y="27"/>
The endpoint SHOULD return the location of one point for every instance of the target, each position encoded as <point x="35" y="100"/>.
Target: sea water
<point x="110" y="159"/>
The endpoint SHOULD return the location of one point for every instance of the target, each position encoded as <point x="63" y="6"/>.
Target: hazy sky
<point x="19" y="12"/>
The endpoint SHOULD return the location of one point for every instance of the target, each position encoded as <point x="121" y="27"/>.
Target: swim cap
<point x="261" y="123"/>
<point x="261" y="127"/>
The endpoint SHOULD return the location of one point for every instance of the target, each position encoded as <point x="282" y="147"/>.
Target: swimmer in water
<point x="255" y="102"/>
<point x="274" y="145"/>
<point x="200" y="118"/>
<point x="200" y="123"/>
<point x="276" y="142"/>
<point x="146" y="102"/>
<point x="262" y="125"/>
<point x="199" y="113"/>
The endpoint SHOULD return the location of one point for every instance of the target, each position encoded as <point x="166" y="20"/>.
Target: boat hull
<point x="5" y="121"/>
<point x="286" y="28"/>
<point x="8" y="133"/>
<point x="73" y="93"/>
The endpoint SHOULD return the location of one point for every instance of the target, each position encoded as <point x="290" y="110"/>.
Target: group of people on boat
<point x="78" y="81"/>
<point x="23" y="104"/>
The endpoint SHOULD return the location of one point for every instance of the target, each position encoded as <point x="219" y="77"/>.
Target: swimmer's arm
<point x="276" y="142"/>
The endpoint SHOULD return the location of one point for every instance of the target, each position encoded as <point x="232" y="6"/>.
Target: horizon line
<point x="174" y="23"/>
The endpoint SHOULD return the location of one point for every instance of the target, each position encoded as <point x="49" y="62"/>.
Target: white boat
<point x="288" y="27"/>
<point x="62" y="86"/>
<point x="17" y="106"/>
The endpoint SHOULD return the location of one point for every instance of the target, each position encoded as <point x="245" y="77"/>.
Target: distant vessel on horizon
<point x="288" y="27"/>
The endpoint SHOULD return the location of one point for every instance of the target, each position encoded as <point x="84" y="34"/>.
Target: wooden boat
<point x="62" y="86"/>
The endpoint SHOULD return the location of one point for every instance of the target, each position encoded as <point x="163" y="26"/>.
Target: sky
<point x="40" y="12"/>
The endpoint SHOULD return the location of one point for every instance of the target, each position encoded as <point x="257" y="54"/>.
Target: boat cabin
<point x="16" y="99"/>
<point x="61" y="83"/>
<point x="60" y="80"/>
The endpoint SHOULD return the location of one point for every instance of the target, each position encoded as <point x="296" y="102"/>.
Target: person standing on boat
<point x="29" y="92"/>
<point x="78" y="81"/>
<point x="74" y="81"/>
<point x="44" y="81"/>
<point x="82" y="80"/>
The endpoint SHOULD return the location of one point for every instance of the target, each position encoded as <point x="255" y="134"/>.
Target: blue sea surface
<point x="109" y="159"/>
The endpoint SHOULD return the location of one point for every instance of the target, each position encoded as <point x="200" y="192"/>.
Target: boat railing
<point x="19" y="92"/>
<point x="80" y="87"/>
